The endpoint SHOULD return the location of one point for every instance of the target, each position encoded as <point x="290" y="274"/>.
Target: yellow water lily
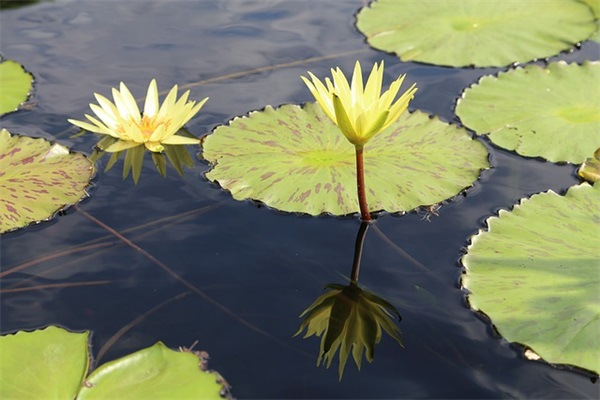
<point x="360" y="111"/>
<point x="154" y="128"/>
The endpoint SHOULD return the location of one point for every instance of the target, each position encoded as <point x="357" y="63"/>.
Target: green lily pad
<point x="595" y="6"/>
<point x="156" y="372"/>
<point x="536" y="272"/>
<point x="590" y="169"/>
<point x="38" y="179"/>
<point x="296" y="160"/>
<point x="52" y="363"/>
<point x="16" y="85"/>
<point x="44" y="364"/>
<point x="474" y="32"/>
<point x="552" y="112"/>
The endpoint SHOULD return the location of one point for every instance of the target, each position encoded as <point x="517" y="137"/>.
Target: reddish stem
<point x="360" y="184"/>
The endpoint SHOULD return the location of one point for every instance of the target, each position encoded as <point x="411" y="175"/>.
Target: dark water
<point x="259" y="268"/>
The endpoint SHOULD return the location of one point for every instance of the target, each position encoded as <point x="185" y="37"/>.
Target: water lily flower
<point x="349" y="319"/>
<point x="153" y="128"/>
<point x="360" y="111"/>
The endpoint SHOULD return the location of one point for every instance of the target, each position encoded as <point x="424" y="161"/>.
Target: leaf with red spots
<point x="38" y="179"/>
<point x="295" y="159"/>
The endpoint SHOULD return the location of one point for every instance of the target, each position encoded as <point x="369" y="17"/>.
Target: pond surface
<point x="256" y="269"/>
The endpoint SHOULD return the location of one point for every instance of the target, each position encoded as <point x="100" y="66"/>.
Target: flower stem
<point x="360" y="184"/>
<point x="358" y="248"/>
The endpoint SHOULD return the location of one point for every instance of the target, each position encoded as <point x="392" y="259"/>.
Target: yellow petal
<point x="154" y="147"/>
<point x="151" y="104"/>
<point x="344" y="122"/>
<point x="121" y="145"/>
<point x="176" y="139"/>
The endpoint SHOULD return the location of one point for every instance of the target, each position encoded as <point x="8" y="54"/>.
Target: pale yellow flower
<point x="153" y="128"/>
<point x="360" y="111"/>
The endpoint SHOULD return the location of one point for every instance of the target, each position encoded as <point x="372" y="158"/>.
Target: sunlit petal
<point x="360" y="110"/>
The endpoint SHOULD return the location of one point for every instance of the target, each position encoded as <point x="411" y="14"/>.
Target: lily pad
<point x="16" y="85"/>
<point x="595" y="6"/>
<point x="474" y="32"/>
<point x="44" y="364"/>
<point x="552" y="112"/>
<point x="156" y="372"/>
<point x="38" y="179"/>
<point x="52" y="364"/>
<point x="590" y="169"/>
<point x="296" y="160"/>
<point x="536" y="271"/>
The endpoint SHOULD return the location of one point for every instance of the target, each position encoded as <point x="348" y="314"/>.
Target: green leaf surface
<point x="595" y="6"/>
<point x="551" y="112"/>
<point x="296" y="160"/>
<point x="37" y="179"/>
<point x="590" y="169"/>
<point x="43" y="364"/>
<point x="475" y="32"/>
<point x="15" y="85"/>
<point x="156" y="372"/>
<point x="536" y="272"/>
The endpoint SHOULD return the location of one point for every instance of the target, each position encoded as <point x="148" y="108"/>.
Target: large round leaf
<point x="37" y="179"/>
<point x="536" y="273"/>
<point x="295" y="159"/>
<point x="156" y="372"/>
<point x="551" y="112"/>
<point x="475" y="32"/>
<point x="44" y="364"/>
<point x="16" y="84"/>
<point x="595" y="6"/>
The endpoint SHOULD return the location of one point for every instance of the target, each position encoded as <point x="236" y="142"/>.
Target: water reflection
<point x="350" y="319"/>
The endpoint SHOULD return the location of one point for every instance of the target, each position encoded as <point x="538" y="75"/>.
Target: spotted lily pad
<point x="551" y="112"/>
<point x="16" y="84"/>
<point x="475" y="32"/>
<point x="37" y="179"/>
<point x="536" y="272"/>
<point x="296" y="160"/>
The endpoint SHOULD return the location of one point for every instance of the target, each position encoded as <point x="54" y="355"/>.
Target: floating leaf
<point x="595" y="6"/>
<point x="474" y="32"/>
<point x="16" y="84"/>
<point x="551" y="112"/>
<point x="590" y="169"/>
<point x="44" y="364"/>
<point x="536" y="272"/>
<point x="51" y="364"/>
<point x="156" y="372"/>
<point x="37" y="179"/>
<point x="296" y="160"/>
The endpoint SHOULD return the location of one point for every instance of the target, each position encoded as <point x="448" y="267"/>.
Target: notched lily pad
<point x="16" y="84"/>
<point x="551" y="112"/>
<point x="38" y="179"/>
<point x="45" y="364"/>
<point x="474" y="32"/>
<point x="536" y="271"/>
<point x="295" y="159"/>
<point x="590" y="169"/>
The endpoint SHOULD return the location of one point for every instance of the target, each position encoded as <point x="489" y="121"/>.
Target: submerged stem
<point x="360" y="184"/>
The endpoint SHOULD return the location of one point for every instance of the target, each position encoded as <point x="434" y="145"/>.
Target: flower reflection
<point x="156" y="129"/>
<point x="349" y="319"/>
